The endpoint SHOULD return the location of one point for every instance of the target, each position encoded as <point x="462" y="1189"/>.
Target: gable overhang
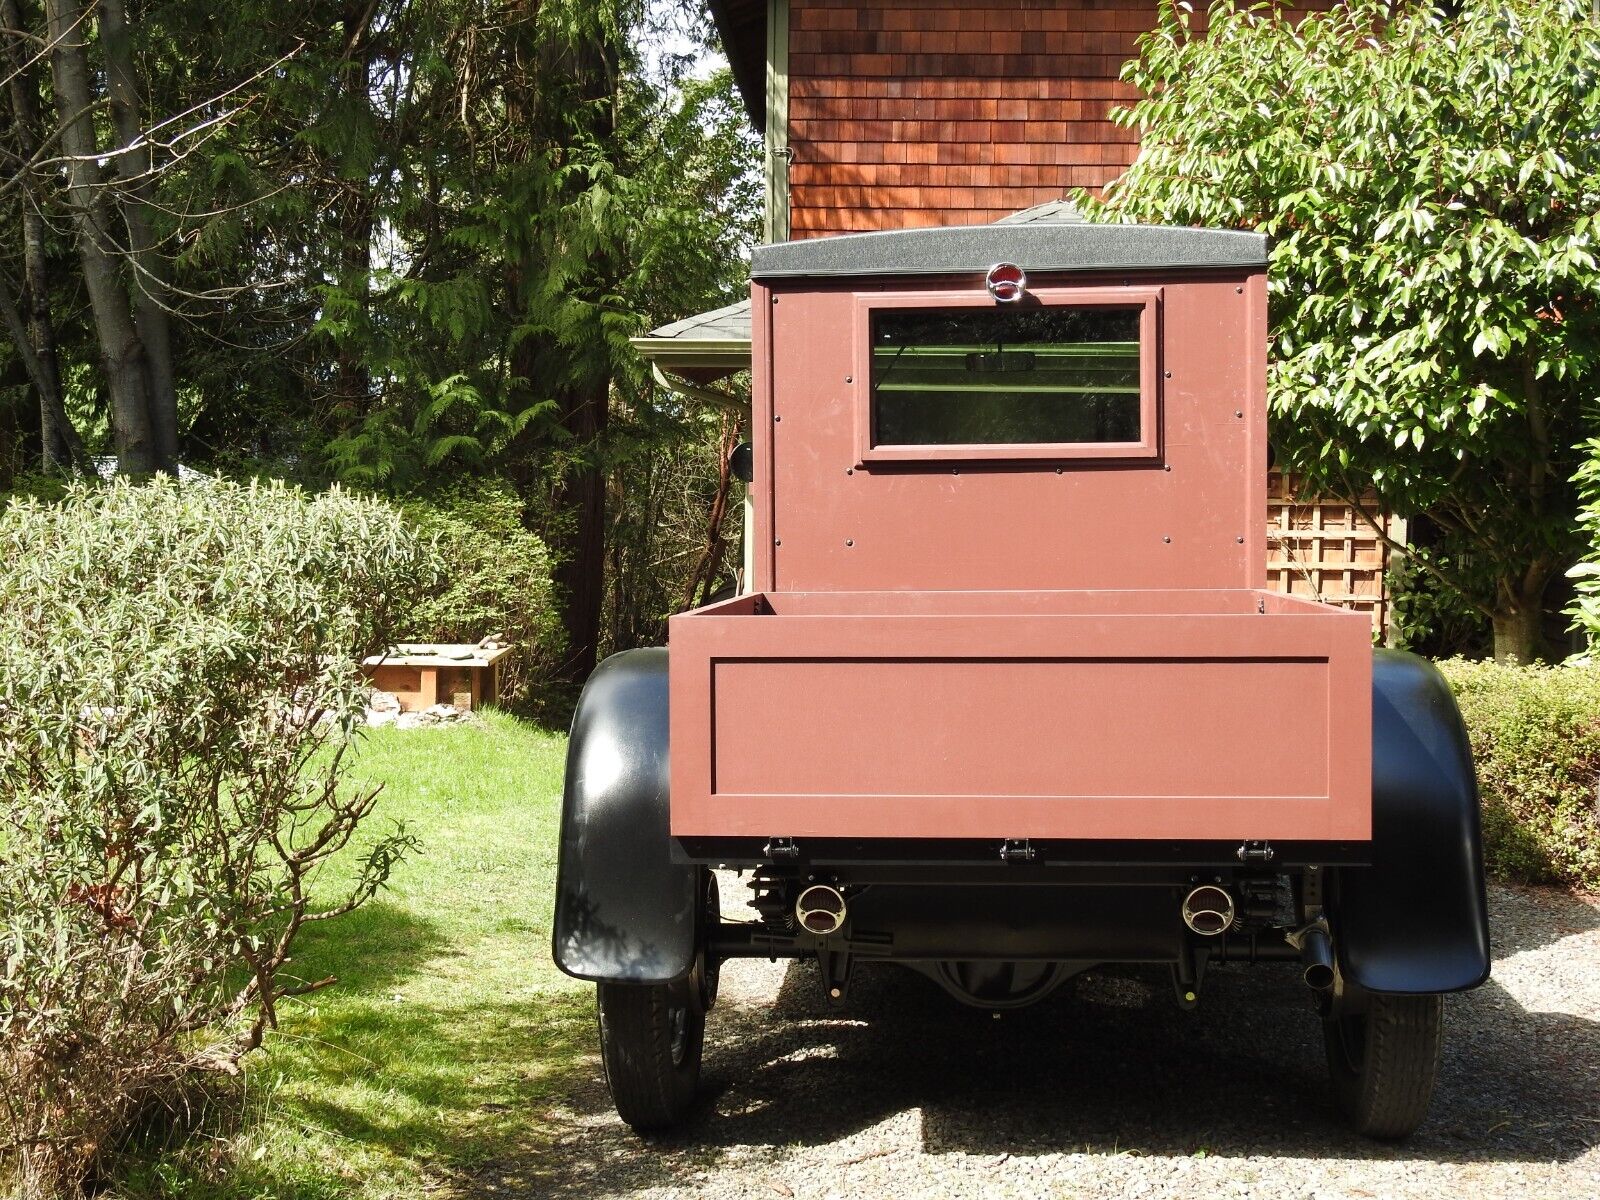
<point x="704" y="347"/>
<point x="742" y="25"/>
<point x="1045" y="246"/>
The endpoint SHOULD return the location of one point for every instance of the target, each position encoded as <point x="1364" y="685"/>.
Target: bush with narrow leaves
<point x="177" y="689"/>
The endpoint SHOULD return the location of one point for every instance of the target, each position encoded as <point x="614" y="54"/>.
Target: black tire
<point x="651" y="1040"/>
<point x="652" y="1036"/>
<point x="1384" y="1060"/>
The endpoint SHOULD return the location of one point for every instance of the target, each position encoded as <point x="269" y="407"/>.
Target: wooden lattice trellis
<point x="1324" y="550"/>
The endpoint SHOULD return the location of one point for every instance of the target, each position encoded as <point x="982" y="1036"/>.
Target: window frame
<point x="1146" y="300"/>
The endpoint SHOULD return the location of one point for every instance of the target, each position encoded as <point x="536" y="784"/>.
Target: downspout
<point x="779" y="155"/>
<point x="694" y="391"/>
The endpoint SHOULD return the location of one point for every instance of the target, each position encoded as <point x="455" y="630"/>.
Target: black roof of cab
<point x="1037" y="246"/>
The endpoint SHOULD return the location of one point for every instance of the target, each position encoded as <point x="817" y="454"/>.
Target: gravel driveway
<point x="1107" y="1090"/>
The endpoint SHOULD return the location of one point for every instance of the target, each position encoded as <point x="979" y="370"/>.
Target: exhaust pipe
<point x="820" y="909"/>
<point x="1208" y="910"/>
<point x="1316" y="956"/>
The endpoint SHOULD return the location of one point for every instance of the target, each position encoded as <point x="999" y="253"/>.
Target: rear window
<point x="989" y="377"/>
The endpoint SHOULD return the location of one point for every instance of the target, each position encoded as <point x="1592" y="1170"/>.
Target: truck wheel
<point x="1384" y="1061"/>
<point x="651" y="1039"/>
<point x="652" y="1036"/>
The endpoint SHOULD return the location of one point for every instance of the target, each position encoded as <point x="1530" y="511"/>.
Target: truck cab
<point x="1005" y="697"/>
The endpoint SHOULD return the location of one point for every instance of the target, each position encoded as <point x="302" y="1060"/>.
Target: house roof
<point x="708" y="343"/>
<point x="715" y="325"/>
<point x="1059" y="211"/>
<point x="743" y="26"/>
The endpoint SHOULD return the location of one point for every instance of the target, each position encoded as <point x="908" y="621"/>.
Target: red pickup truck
<point x="1005" y="697"/>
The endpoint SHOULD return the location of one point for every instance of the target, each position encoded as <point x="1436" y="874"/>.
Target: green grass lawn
<point x="449" y="1028"/>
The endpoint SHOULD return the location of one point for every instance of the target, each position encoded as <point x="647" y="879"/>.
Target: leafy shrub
<point x="48" y="489"/>
<point x="1585" y="607"/>
<point x="1424" y="343"/>
<point x="1430" y="619"/>
<point x="1536" y="738"/>
<point x="495" y="581"/>
<point x="177" y="688"/>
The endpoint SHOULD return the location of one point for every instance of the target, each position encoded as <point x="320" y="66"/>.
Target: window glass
<point x="1005" y="376"/>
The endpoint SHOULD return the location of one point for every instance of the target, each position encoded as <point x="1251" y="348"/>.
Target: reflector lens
<point x="1007" y="282"/>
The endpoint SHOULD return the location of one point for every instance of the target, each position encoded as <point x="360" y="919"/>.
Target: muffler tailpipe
<point x="1208" y="910"/>
<point x="1316" y="956"/>
<point x="820" y="909"/>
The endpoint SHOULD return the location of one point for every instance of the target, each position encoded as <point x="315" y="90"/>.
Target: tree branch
<point x="1352" y="496"/>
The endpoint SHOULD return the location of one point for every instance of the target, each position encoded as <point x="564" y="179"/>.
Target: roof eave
<point x="742" y="25"/>
<point x="703" y="353"/>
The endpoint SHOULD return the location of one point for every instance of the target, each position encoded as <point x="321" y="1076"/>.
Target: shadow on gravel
<point x="1108" y="1065"/>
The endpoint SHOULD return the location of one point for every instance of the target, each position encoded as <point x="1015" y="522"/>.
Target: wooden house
<point x="886" y="114"/>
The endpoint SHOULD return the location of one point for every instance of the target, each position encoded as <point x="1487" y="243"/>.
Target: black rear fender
<point x="1416" y="921"/>
<point x="625" y="913"/>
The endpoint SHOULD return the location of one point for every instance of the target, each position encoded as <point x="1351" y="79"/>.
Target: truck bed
<point x="1061" y="715"/>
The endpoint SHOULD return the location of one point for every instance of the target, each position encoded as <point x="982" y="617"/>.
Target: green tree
<point x="393" y="242"/>
<point x="130" y="126"/>
<point x="593" y="196"/>
<point x="30" y="319"/>
<point x="1430" y="183"/>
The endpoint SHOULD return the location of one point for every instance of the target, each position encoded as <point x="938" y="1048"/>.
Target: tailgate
<point x="1031" y="715"/>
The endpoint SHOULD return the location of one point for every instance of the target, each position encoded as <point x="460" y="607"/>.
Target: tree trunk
<point x="135" y="165"/>
<point x="352" y="379"/>
<point x="580" y="572"/>
<point x="705" y="569"/>
<point x="1518" y="634"/>
<point x="59" y="445"/>
<point x="1518" y="620"/>
<point x="352" y="385"/>
<point x="121" y="354"/>
<point x="579" y="108"/>
<point x="11" y="317"/>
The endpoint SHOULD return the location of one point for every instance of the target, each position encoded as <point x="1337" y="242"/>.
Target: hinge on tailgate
<point x="781" y="848"/>
<point x="1014" y="850"/>
<point x="1249" y="852"/>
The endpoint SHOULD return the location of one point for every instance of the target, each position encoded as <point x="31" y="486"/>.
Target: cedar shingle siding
<point x="942" y="112"/>
<point x="953" y="112"/>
